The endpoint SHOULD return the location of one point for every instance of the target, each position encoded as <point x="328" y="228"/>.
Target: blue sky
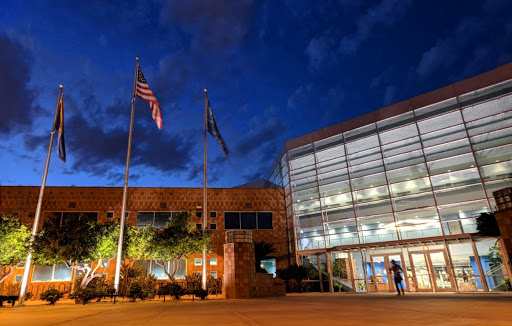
<point x="274" y="70"/>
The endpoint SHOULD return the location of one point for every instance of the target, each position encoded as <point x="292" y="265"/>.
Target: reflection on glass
<point x="421" y="271"/>
<point x="441" y="274"/>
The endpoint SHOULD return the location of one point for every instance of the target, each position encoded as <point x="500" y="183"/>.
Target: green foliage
<point x="193" y="281"/>
<point x="142" y="287"/>
<point x="295" y="272"/>
<point x="506" y="283"/>
<point x="338" y="268"/>
<point x="52" y="296"/>
<point x="214" y="285"/>
<point x="178" y="239"/>
<point x="172" y="289"/>
<point x="97" y="288"/>
<point x="262" y="251"/>
<point x="14" y="242"/>
<point x="494" y="255"/>
<point x="138" y="243"/>
<point x="128" y="274"/>
<point x="486" y="224"/>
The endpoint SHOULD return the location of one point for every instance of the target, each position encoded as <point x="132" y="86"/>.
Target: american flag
<point x="144" y="92"/>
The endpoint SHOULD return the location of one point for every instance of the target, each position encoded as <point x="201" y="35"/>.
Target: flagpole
<point x="35" y="226"/>
<point x="205" y="197"/>
<point x="125" y="189"/>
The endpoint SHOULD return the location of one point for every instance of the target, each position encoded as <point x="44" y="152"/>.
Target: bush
<point x="51" y="296"/>
<point x="142" y="287"/>
<point x="172" y="289"/>
<point x="214" y="285"/>
<point x="96" y="289"/>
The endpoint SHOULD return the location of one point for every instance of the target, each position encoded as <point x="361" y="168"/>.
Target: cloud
<point x="385" y="13"/>
<point x="212" y="25"/>
<point x="260" y="134"/>
<point x="301" y="95"/>
<point x="320" y="51"/>
<point x="18" y="107"/>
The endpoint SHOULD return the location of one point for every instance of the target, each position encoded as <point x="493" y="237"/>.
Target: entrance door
<point x="381" y="280"/>
<point x="430" y="271"/>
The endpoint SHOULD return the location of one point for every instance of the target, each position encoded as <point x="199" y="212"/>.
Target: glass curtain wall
<point x="429" y="172"/>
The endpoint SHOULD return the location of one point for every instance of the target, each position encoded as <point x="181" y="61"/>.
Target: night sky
<point x="275" y="70"/>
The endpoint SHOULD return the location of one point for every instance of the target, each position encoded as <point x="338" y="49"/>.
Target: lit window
<point x="213" y="274"/>
<point x="198" y="261"/>
<point x="213" y="261"/>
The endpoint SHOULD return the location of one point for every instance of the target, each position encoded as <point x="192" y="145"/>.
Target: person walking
<point x="396" y="270"/>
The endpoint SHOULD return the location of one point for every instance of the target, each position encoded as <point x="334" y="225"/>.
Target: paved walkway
<point x="327" y="309"/>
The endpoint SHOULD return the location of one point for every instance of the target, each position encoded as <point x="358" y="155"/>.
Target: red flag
<point x="144" y="92"/>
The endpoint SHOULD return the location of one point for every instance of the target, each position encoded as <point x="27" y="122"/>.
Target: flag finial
<point x="205" y="90"/>
<point x="60" y="85"/>
<point x="137" y="58"/>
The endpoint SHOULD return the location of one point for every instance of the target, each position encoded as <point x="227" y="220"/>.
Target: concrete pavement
<point x="295" y="309"/>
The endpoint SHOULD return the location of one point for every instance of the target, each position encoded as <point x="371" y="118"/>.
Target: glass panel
<point x="339" y="213"/>
<point x="380" y="235"/>
<point x="457" y="178"/>
<point x="398" y="134"/>
<point x="492" y="139"/>
<point x="396" y="121"/>
<point x="334" y="188"/>
<point x="371" y="194"/>
<point x="446" y="150"/>
<point x="304" y="183"/>
<point x="145" y="264"/>
<point x="310" y="219"/>
<point x="491" y="186"/>
<point x="302" y="162"/>
<point x="488" y="156"/>
<point x="495" y="122"/>
<point x="410" y="187"/>
<point x="307" y="206"/>
<point x="144" y="218"/>
<point x="465" y="268"/>
<point x="441" y="274"/>
<point x="305" y="195"/>
<point x="42" y="273"/>
<point x="248" y="220"/>
<point x="301" y="151"/>
<point x="343" y="239"/>
<point x="360" y="132"/>
<point x="332" y="177"/>
<point x="497" y="171"/>
<point x="332" y="165"/>
<point x="62" y="273"/>
<point x="461" y="211"/>
<point x="366" y="168"/>
<point x="161" y="218"/>
<point x="488" y="108"/>
<point x="336" y="141"/>
<point x="374" y="180"/>
<point x="341" y="227"/>
<point x="440" y="122"/>
<point x="362" y="144"/>
<point x="181" y="270"/>
<point x="493" y="273"/>
<point x="436" y="109"/>
<point x="311" y="243"/>
<point x="413" y="201"/>
<point x="407" y="173"/>
<point x="418" y="224"/>
<point x="421" y="274"/>
<point x="158" y="271"/>
<point x="302" y="173"/>
<point x="231" y="220"/>
<point x="459" y="194"/>
<point x="337" y="200"/>
<point x="264" y="220"/>
<point x="375" y="222"/>
<point x="365" y="156"/>
<point x="444" y="136"/>
<point x="406" y="159"/>
<point x="380" y="270"/>
<point x="401" y="147"/>
<point x="450" y="164"/>
<point x="373" y="208"/>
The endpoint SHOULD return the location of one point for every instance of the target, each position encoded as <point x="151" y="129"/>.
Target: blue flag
<point x="214" y="131"/>
<point x="59" y="125"/>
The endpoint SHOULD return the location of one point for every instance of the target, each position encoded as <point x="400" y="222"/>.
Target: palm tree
<point x="262" y="251"/>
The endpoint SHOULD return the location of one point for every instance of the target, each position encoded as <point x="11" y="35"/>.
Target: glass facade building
<point x="403" y="183"/>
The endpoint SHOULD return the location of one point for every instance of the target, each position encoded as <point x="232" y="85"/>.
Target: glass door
<point x="379" y="277"/>
<point x="440" y="272"/>
<point x="420" y="270"/>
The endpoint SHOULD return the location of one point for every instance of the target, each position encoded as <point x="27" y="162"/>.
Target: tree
<point x="78" y="243"/>
<point x="178" y="239"/>
<point x="262" y="251"/>
<point x="14" y="242"/>
<point x="487" y="225"/>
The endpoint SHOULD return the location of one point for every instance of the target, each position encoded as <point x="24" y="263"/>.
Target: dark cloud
<point x="16" y="111"/>
<point x="260" y="134"/>
<point x="212" y="25"/>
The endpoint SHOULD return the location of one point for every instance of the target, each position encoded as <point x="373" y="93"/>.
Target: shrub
<point x="143" y="287"/>
<point x="51" y="296"/>
<point x="214" y="285"/>
<point x="96" y="289"/>
<point x="172" y="289"/>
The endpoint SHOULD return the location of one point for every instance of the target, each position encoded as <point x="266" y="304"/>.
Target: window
<point x="213" y="274"/>
<point x="199" y="226"/>
<point x="213" y="214"/>
<point x="51" y="273"/>
<point x="155" y="219"/>
<point x="198" y="261"/>
<point x="110" y="214"/>
<point x="248" y="220"/>
<point x="18" y="278"/>
<point x="213" y="261"/>
<point x="153" y="268"/>
<point x="213" y="226"/>
<point x="63" y="216"/>
<point x="199" y="214"/>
